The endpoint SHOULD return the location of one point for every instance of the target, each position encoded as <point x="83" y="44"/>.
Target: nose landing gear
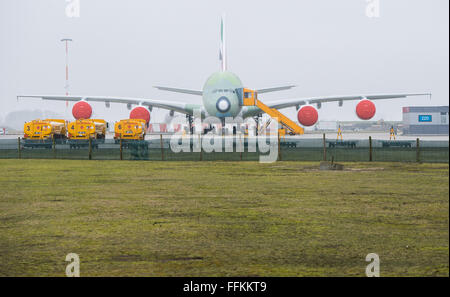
<point x="190" y="123"/>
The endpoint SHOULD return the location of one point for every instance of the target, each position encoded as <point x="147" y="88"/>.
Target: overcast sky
<point x="326" y="47"/>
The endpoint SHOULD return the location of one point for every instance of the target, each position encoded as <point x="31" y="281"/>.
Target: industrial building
<point x="420" y="120"/>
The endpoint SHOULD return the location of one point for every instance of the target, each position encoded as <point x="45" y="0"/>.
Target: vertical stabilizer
<point x="223" y="53"/>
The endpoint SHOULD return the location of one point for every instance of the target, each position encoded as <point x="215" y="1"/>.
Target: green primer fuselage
<point x="218" y="86"/>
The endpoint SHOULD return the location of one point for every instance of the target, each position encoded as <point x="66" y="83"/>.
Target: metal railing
<point x="289" y="149"/>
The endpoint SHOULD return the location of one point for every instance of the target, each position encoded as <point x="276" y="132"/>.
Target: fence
<point x="289" y="149"/>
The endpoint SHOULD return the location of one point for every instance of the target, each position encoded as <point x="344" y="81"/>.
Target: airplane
<point x="220" y="99"/>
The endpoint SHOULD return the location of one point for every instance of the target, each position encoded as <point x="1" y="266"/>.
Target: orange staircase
<point x="250" y="98"/>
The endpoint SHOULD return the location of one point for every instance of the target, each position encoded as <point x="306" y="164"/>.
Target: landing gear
<point x="207" y="129"/>
<point x="223" y="126"/>
<point x="190" y="123"/>
<point x="257" y="119"/>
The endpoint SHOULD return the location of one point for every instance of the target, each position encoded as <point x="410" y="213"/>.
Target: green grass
<point x="126" y="218"/>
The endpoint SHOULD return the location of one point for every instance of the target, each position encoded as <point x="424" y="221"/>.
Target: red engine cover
<point x="307" y="116"/>
<point x="365" y="110"/>
<point x="82" y="110"/>
<point x="140" y="113"/>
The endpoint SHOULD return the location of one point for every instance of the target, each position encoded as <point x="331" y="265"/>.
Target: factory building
<point x="420" y="120"/>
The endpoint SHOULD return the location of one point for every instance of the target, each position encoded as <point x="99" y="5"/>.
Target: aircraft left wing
<point x="319" y="100"/>
<point x="284" y="103"/>
<point x="169" y="105"/>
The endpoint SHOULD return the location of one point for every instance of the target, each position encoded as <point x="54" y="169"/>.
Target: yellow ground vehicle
<point x="130" y="129"/>
<point x="44" y="133"/>
<point x="131" y="135"/>
<point x="45" y="129"/>
<point x="84" y="130"/>
<point x="87" y="129"/>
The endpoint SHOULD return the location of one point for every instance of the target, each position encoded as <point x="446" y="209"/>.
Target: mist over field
<point x="123" y="48"/>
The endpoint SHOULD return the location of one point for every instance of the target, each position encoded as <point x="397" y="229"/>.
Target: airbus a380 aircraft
<point x="220" y="99"/>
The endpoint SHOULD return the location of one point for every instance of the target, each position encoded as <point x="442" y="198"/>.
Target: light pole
<point x="66" y="87"/>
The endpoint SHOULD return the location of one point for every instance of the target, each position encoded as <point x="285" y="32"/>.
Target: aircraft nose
<point x="223" y="104"/>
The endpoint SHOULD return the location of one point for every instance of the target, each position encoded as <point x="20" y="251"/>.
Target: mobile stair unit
<point x="249" y="97"/>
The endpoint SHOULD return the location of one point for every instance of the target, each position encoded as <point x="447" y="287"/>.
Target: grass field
<point x="126" y="218"/>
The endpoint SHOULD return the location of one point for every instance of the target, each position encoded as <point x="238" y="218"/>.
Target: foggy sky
<point x="123" y="48"/>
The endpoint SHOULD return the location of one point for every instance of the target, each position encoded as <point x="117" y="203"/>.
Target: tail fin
<point x="222" y="53"/>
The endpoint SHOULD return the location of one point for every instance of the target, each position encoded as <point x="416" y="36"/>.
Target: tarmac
<point x="376" y="135"/>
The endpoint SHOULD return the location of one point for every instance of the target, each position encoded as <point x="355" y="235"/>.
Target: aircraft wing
<point x="177" y="90"/>
<point x="181" y="107"/>
<point x="319" y="100"/>
<point x="275" y="89"/>
<point x="297" y="102"/>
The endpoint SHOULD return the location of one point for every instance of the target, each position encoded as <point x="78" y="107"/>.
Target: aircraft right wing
<point x="181" y="107"/>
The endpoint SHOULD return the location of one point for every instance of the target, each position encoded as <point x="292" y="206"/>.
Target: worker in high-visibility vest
<point x="392" y="133"/>
<point x="339" y="133"/>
